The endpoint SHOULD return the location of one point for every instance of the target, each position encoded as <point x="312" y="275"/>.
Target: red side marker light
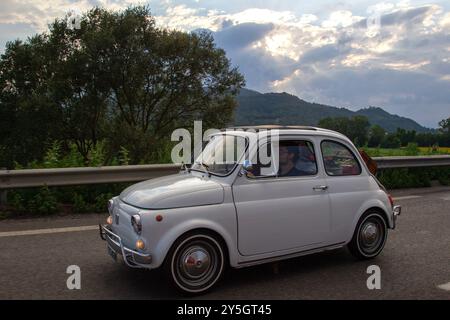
<point x="391" y="200"/>
<point x="159" y="218"/>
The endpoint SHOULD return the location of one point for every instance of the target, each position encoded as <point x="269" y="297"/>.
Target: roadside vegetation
<point x="374" y="137"/>
<point x="410" y="150"/>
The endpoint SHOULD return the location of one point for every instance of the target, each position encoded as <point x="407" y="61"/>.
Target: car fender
<point x="171" y="235"/>
<point x="372" y="203"/>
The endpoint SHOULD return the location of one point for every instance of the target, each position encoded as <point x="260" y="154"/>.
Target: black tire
<point x="195" y="263"/>
<point x="370" y="236"/>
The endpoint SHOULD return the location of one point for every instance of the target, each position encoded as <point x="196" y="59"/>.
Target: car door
<point x="348" y="186"/>
<point x="276" y="212"/>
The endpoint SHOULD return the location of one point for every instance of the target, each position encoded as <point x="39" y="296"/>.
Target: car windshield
<point x="221" y="154"/>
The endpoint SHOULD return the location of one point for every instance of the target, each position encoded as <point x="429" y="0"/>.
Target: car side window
<point x="262" y="164"/>
<point x="295" y="158"/>
<point x="339" y="160"/>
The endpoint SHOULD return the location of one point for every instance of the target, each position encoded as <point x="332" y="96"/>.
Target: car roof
<point x="288" y="130"/>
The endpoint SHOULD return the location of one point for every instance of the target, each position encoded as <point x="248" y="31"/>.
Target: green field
<point x="411" y="150"/>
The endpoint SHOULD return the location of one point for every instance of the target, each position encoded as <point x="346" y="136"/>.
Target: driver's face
<point x="285" y="156"/>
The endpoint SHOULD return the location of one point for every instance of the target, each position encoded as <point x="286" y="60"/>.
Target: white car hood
<point x="174" y="191"/>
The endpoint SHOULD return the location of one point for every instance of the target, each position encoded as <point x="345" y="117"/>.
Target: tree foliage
<point x="376" y="136"/>
<point x="117" y="78"/>
<point x="355" y="128"/>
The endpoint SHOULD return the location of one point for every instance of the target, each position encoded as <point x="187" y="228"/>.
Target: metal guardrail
<point x="412" y="161"/>
<point x="10" y="179"/>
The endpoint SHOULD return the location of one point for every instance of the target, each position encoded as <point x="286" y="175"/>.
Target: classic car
<point x="272" y="197"/>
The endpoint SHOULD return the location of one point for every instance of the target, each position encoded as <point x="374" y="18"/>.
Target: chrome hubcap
<point x="371" y="236"/>
<point x="370" y="233"/>
<point x="196" y="262"/>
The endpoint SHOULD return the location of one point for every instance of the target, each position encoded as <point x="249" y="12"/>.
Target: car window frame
<point x="351" y="152"/>
<point x="276" y="177"/>
<point x="236" y="165"/>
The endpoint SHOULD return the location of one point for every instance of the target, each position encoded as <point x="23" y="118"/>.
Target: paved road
<point x="415" y="261"/>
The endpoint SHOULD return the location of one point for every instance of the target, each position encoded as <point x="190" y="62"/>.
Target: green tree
<point x="117" y="77"/>
<point x="358" y="130"/>
<point x="391" y="141"/>
<point x="405" y="136"/>
<point x="161" y="80"/>
<point x="339" y="124"/>
<point x="29" y="119"/>
<point x="376" y="136"/>
<point x="444" y="125"/>
<point x="355" y="128"/>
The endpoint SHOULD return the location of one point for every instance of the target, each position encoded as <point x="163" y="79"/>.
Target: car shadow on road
<point x="239" y="283"/>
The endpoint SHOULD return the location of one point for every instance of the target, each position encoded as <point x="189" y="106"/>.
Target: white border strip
<point x="407" y="197"/>
<point x="46" y="231"/>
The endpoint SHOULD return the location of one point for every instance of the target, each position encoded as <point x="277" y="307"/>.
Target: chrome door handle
<point x="320" y="188"/>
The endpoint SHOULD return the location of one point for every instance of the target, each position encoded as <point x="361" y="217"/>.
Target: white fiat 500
<point x="251" y="198"/>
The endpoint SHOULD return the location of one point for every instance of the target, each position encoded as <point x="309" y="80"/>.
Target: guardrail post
<point x="3" y="194"/>
<point x="3" y="197"/>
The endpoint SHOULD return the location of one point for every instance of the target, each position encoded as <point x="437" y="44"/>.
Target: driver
<point x="288" y="156"/>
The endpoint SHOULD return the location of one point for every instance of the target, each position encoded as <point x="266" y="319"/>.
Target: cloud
<point x="341" y="18"/>
<point x="242" y="35"/>
<point x="403" y="67"/>
<point x="321" y="54"/>
<point x="392" y="54"/>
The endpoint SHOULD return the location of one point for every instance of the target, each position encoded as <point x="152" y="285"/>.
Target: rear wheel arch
<point x="381" y="211"/>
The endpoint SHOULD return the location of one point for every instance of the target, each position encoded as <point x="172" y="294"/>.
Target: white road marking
<point x="445" y="286"/>
<point x="46" y="231"/>
<point x="406" y="197"/>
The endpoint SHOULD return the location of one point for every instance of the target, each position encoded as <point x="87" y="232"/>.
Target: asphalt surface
<point x="414" y="263"/>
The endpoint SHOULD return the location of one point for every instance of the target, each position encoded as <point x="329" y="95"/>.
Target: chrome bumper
<point x="396" y="211"/>
<point x="116" y="248"/>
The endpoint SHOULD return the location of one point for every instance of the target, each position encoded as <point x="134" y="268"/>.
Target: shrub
<point x="412" y="149"/>
<point x="101" y="200"/>
<point x="413" y="177"/>
<point x="17" y="201"/>
<point x="79" y="205"/>
<point x="44" y="202"/>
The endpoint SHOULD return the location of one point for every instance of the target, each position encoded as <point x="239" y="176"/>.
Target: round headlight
<point x="136" y="223"/>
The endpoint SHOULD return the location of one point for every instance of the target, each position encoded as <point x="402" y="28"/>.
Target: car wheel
<point x="370" y="236"/>
<point x="195" y="263"/>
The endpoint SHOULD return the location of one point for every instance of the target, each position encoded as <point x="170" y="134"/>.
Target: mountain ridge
<point x="286" y="109"/>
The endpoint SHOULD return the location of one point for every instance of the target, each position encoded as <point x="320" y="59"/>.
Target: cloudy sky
<point x="392" y="54"/>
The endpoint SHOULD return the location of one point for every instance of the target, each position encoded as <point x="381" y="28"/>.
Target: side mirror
<point x="247" y="168"/>
<point x="247" y="165"/>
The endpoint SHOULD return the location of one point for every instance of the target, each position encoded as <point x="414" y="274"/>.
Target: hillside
<point x="286" y="109"/>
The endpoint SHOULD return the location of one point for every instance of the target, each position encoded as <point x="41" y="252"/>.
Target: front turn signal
<point x="140" y="244"/>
